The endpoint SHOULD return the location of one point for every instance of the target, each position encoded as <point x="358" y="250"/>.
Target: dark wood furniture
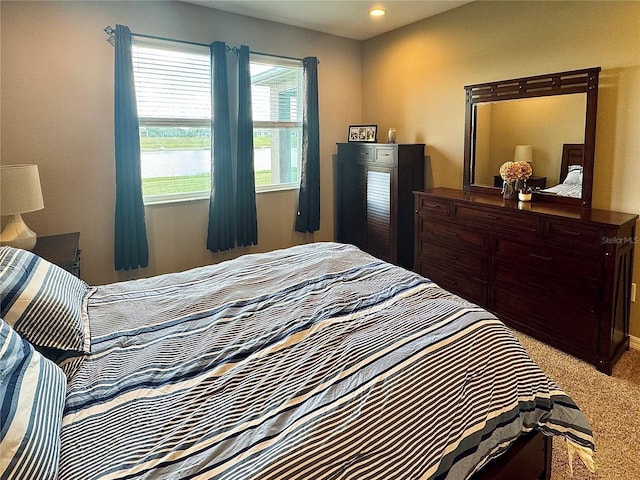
<point x="533" y="182"/>
<point x="528" y="458"/>
<point x="572" y="154"/>
<point x="62" y="250"/>
<point x="558" y="273"/>
<point x="562" y="83"/>
<point x="374" y="186"/>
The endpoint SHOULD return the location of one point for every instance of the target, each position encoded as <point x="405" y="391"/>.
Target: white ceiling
<point x="346" y="18"/>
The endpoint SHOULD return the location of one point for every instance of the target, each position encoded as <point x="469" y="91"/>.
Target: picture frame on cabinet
<point x="363" y="133"/>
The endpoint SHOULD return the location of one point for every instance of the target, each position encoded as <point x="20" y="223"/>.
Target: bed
<point x="317" y="361"/>
<point x="571" y="172"/>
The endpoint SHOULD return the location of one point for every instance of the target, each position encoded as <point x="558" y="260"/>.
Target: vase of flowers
<point x="509" y="174"/>
<point x="514" y="177"/>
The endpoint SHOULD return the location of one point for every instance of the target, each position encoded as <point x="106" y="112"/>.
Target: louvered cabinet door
<point x="381" y="238"/>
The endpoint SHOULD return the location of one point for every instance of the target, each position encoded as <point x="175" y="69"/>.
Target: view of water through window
<point x="179" y="163"/>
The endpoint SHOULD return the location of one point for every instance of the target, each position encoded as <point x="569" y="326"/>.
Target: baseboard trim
<point x="634" y="342"/>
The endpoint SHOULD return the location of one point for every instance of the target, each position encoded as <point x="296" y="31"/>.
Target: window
<point x="276" y="91"/>
<point x="173" y="92"/>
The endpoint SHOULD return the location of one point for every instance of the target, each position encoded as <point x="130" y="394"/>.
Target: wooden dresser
<point x="374" y="184"/>
<point x="560" y="274"/>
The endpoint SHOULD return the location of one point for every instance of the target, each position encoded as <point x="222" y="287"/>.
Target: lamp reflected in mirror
<point x="523" y="153"/>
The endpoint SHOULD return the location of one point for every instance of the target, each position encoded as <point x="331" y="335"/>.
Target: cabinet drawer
<point x="454" y="235"/>
<point x="463" y="262"/>
<point x="426" y="205"/>
<point x="496" y="218"/>
<point x="365" y="153"/>
<point x="474" y="290"/>
<point x="573" y="235"/>
<point x="545" y="265"/>
<point x="384" y="155"/>
<point x="565" y="314"/>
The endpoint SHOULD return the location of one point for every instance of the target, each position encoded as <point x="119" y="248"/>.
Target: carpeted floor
<point x="612" y="404"/>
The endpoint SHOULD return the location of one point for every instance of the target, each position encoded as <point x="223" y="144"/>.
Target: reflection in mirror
<point x="545" y="124"/>
<point x="553" y="114"/>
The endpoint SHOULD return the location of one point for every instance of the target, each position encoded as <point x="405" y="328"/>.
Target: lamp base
<point x="17" y="234"/>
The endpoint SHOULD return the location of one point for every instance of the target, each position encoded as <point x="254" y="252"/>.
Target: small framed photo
<point x="363" y="133"/>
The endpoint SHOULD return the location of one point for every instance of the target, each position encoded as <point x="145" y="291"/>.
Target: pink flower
<point x="512" y="171"/>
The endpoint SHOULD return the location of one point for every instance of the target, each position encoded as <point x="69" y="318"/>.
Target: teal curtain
<point x="246" y="217"/>
<point x="308" y="218"/>
<point x="221" y="228"/>
<point x="131" y="248"/>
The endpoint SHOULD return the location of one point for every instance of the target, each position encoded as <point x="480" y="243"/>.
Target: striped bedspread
<point x="314" y="362"/>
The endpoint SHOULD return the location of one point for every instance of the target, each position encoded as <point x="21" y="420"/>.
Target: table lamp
<point x="20" y="193"/>
<point x="523" y="153"/>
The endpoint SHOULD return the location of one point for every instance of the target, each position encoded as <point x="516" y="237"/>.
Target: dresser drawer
<point x="454" y="235"/>
<point x="366" y="153"/>
<point x="496" y="218"/>
<point x="463" y="262"/>
<point x="573" y="235"/>
<point x="471" y="289"/>
<point x="575" y="314"/>
<point x="427" y="205"/>
<point x="385" y="155"/>
<point x="545" y="265"/>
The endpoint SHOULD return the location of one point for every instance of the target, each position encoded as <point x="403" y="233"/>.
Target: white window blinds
<point x="172" y="83"/>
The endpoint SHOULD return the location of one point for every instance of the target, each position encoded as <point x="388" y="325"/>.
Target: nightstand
<point x="535" y="183"/>
<point x="62" y="250"/>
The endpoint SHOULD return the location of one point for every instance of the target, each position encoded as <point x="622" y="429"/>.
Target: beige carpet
<point x="612" y="404"/>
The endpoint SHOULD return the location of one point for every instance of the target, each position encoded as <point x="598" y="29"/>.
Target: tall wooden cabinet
<point x="558" y="273"/>
<point x="374" y="186"/>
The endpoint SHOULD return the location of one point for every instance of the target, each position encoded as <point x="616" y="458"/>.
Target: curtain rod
<point x="112" y="39"/>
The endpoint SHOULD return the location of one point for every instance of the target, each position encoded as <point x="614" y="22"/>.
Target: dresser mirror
<point x="547" y="120"/>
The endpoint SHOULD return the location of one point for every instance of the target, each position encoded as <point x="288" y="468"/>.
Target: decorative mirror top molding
<point x="550" y="117"/>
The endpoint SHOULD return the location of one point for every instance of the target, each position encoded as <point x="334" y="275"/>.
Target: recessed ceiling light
<point x="377" y="12"/>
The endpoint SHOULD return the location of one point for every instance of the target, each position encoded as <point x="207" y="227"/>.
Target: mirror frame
<point x="562" y="83"/>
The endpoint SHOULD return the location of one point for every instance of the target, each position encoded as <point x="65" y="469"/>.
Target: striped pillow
<point x="42" y="301"/>
<point x="32" y="395"/>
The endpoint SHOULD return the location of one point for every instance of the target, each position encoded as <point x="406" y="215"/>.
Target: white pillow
<point x="574" y="175"/>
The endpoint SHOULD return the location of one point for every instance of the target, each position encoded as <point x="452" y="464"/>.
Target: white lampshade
<point x="20" y="192"/>
<point x="523" y="153"/>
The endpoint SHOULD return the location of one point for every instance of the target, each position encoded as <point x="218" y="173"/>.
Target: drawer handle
<point x="451" y="280"/>
<point x="451" y="256"/>
<point x="492" y="217"/>
<point x="571" y="233"/>
<point x="541" y="257"/>
<point x="452" y="234"/>
<point x="432" y="205"/>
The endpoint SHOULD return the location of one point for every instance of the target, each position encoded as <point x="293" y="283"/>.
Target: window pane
<point x="276" y="91"/>
<point x="175" y="160"/>
<point x="170" y="82"/>
<point x="277" y="154"/>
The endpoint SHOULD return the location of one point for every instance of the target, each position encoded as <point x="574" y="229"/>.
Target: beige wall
<point x="414" y="78"/>
<point x="57" y="112"/>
